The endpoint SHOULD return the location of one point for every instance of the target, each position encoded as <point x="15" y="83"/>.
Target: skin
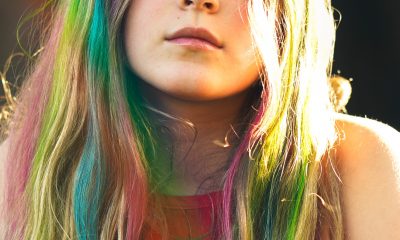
<point x="183" y="72"/>
<point x="368" y="156"/>
<point x="367" y="153"/>
<point x="206" y="87"/>
<point x="197" y="85"/>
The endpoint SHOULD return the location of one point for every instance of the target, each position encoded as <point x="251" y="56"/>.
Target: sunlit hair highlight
<point x="83" y="155"/>
<point x="280" y="194"/>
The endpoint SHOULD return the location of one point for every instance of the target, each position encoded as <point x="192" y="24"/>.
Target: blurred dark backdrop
<point x="367" y="50"/>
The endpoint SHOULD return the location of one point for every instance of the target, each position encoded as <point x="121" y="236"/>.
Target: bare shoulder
<point x="368" y="155"/>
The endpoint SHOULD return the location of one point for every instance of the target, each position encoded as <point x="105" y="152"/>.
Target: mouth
<point x="198" y="38"/>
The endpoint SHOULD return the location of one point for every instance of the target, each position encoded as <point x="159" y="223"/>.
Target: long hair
<point x="82" y="162"/>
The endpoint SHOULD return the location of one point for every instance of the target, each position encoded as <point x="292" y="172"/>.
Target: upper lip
<point x="199" y="33"/>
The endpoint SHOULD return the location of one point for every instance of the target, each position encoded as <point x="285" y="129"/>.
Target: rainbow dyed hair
<point x="82" y="157"/>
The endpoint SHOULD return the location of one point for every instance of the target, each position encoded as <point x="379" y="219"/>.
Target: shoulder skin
<point x="368" y="155"/>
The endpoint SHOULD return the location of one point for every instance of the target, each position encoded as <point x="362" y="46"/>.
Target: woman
<point x="223" y="105"/>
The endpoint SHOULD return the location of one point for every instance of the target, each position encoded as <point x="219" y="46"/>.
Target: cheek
<point x="241" y="49"/>
<point x="142" y="21"/>
<point x="239" y="35"/>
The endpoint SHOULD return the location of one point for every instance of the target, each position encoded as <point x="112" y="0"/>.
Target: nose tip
<point x="209" y="6"/>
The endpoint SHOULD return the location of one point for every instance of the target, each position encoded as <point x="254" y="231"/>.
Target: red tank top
<point x="189" y="217"/>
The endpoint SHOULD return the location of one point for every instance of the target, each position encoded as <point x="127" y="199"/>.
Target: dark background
<point x="367" y="50"/>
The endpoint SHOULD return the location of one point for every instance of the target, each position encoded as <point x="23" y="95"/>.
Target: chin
<point x="190" y="87"/>
<point x="198" y="94"/>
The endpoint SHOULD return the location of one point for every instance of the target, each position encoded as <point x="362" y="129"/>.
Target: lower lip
<point x="193" y="43"/>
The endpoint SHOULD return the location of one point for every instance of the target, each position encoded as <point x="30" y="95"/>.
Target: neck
<point x="202" y="134"/>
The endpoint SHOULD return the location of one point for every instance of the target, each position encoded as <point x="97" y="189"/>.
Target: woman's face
<point x="191" y="49"/>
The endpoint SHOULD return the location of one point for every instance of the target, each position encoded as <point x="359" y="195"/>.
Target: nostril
<point x="208" y="5"/>
<point x="188" y="2"/>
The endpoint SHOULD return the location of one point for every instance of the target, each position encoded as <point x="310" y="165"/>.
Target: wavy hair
<point x="82" y="162"/>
